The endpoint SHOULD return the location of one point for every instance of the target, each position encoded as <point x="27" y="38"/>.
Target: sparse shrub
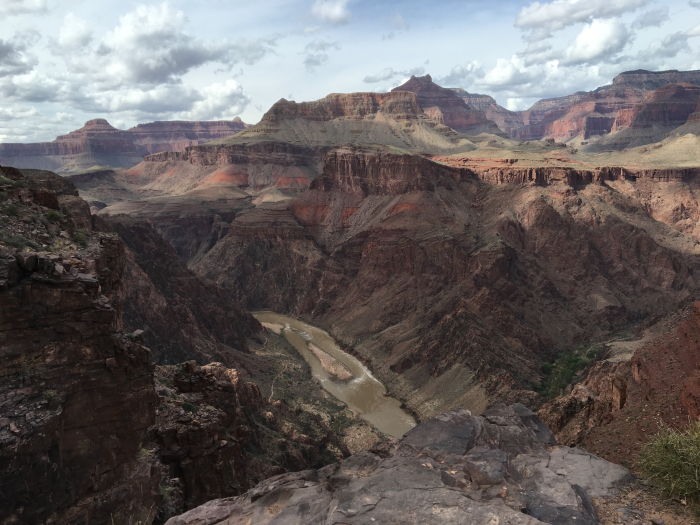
<point x="144" y="452"/>
<point x="17" y="241"/>
<point x="80" y="238"/>
<point x="50" y="395"/>
<point x="53" y="216"/>
<point x="189" y="407"/>
<point x="166" y="492"/>
<point x="11" y="210"/>
<point x="672" y="460"/>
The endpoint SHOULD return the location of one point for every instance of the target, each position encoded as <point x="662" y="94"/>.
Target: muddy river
<point x="360" y="390"/>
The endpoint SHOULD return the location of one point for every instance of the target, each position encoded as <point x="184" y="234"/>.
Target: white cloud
<point x="463" y="75"/>
<point x="17" y="112"/>
<point x="652" y="18"/>
<point x="331" y="11"/>
<point x="315" y="53"/>
<point x="399" y="23"/>
<point x="14" y="59"/>
<point x="516" y="104"/>
<point x="149" y="47"/>
<point x="544" y="18"/>
<point x="390" y="74"/>
<point x="506" y="75"/>
<point x="74" y="32"/>
<point x="220" y="101"/>
<point x="17" y="7"/>
<point x="598" y="41"/>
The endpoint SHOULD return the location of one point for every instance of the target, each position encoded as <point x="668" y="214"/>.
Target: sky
<point x="63" y="62"/>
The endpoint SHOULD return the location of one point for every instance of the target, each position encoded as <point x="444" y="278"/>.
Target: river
<point x="363" y="394"/>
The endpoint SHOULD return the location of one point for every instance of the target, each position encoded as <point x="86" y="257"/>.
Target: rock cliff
<point x="446" y="107"/>
<point x="77" y="395"/>
<point x="100" y="144"/>
<point x="651" y="80"/>
<point x="427" y="272"/>
<point x="650" y="380"/>
<point x="501" y="467"/>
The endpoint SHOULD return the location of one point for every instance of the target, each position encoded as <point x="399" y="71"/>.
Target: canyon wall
<point x="428" y="272"/>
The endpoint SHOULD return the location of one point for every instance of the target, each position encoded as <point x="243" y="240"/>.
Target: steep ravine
<point x="454" y="290"/>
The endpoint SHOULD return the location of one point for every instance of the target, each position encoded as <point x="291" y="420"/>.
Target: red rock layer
<point x="446" y="107"/>
<point x="650" y="80"/>
<point x="506" y="120"/>
<point x="670" y="105"/>
<point x="99" y="137"/>
<point x="620" y="405"/>
<point x="353" y="105"/>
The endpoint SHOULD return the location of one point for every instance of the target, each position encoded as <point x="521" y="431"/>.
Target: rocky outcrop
<point x="365" y="172"/>
<point x="77" y="396"/>
<point x="353" y="105"/>
<point x="500" y="467"/>
<point x="446" y="107"/>
<point x="182" y="317"/>
<point x="651" y="80"/>
<point x="584" y="114"/>
<point x="99" y="143"/>
<point x="176" y="135"/>
<point x="215" y="436"/>
<point x="622" y="401"/>
<point x="505" y="119"/>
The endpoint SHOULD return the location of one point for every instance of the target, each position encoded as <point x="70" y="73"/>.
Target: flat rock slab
<point x="498" y="468"/>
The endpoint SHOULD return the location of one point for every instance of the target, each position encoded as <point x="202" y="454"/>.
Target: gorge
<point x="407" y="246"/>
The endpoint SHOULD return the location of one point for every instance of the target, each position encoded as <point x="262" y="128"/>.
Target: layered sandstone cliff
<point x="77" y="394"/>
<point x="444" y="106"/>
<point x="427" y="272"/>
<point x="98" y="143"/>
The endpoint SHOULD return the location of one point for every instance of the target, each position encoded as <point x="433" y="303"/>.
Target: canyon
<point x="98" y="143"/>
<point x="458" y="262"/>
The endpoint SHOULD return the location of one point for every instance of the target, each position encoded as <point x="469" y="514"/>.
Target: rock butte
<point x="99" y="144"/>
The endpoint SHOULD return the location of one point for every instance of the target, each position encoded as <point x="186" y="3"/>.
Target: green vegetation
<point x="11" y="210"/>
<point x="53" y="216"/>
<point x="166" y="492"/>
<point x="80" y="238"/>
<point x="144" y="452"/>
<point x="190" y="407"/>
<point x="560" y="374"/>
<point x="4" y="181"/>
<point x="17" y="241"/>
<point x="672" y="460"/>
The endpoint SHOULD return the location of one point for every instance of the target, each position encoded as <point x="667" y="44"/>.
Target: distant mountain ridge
<point x="99" y="143"/>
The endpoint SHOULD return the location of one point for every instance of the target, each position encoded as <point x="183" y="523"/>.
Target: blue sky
<point x="63" y="62"/>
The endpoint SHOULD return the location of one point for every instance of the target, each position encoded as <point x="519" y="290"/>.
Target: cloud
<point x="506" y="75"/>
<point x="516" y="104"/>
<point x="462" y="75"/>
<point x="17" y="112"/>
<point x="696" y="5"/>
<point x="150" y="47"/>
<point x="74" y="33"/>
<point x="399" y="23"/>
<point x="219" y="101"/>
<point x="598" y="41"/>
<point x="652" y="18"/>
<point x="18" y="7"/>
<point x="13" y="57"/>
<point x="315" y="56"/>
<point x="389" y="74"/>
<point x="331" y="11"/>
<point x="544" y="18"/>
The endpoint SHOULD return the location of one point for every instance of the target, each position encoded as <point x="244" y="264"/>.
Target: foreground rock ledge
<point x="502" y="467"/>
